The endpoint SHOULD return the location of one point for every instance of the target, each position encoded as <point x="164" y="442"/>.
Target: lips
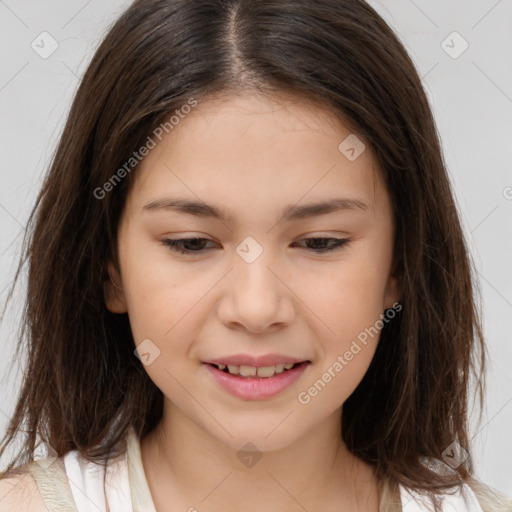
<point x="255" y="388"/>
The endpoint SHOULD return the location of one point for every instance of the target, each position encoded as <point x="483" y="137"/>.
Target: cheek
<point x="348" y="304"/>
<point x="347" y="336"/>
<point x="346" y="300"/>
<point x="166" y="315"/>
<point x="166" y="309"/>
<point x="329" y="387"/>
<point x="160" y="296"/>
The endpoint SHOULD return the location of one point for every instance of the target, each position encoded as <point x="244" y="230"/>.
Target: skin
<point x="254" y="156"/>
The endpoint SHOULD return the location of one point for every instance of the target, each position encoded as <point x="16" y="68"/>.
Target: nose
<point x="256" y="297"/>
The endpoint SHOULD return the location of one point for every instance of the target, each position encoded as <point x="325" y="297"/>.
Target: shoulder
<point x="20" y="492"/>
<point x="40" y="485"/>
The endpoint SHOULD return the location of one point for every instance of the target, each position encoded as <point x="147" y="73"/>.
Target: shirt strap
<point x="53" y="485"/>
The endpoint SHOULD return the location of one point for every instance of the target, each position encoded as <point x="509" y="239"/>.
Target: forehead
<point x="251" y="150"/>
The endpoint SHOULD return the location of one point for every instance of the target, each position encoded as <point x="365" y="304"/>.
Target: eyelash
<point x="175" y="245"/>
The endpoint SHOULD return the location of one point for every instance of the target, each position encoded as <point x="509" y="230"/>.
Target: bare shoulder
<point x="20" y="492"/>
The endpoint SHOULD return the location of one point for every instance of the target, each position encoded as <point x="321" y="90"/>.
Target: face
<point x="271" y="280"/>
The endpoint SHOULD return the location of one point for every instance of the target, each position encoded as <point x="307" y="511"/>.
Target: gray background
<point x="472" y="100"/>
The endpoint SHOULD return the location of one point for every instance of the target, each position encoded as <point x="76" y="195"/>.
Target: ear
<point x="115" y="299"/>
<point x="393" y="291"/>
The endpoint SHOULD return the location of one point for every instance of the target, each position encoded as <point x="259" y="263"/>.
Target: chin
<point x="259" y="437"/>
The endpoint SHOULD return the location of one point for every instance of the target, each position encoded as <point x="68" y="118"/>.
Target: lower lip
<point x="257" y="388"/>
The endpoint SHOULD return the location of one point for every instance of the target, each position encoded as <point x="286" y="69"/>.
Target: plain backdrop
<point x="462" y="50"/>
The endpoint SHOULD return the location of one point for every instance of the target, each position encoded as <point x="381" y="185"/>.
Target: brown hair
<point x="83" y="386"/>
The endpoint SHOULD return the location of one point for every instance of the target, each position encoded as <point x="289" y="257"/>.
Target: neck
<point x="187" y="466"/>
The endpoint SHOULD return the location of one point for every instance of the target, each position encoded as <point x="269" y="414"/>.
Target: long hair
<point x="83" y="386"/>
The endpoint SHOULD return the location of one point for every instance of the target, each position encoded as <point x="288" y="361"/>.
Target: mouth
<point x="248" y="372"/>
<point x="256" y="382"/>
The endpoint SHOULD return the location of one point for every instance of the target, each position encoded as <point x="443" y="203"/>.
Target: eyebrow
<point x="290" y="212"/>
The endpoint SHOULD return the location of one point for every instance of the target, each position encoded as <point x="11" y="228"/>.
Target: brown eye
<point x="320" y="244"/>
<point x="186" y="245"/>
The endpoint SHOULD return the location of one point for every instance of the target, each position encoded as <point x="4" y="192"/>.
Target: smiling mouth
<point x="256" y="371"/>
<point x="256" y="383"/>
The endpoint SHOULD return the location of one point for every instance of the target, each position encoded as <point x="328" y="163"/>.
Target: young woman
<point x="248" y="283"/>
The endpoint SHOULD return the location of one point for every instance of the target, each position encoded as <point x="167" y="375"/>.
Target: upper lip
<point x="257" y="361"/>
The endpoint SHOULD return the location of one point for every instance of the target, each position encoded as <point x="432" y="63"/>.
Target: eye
<point x="336" y="243"/>
<point x="197" y="244"/>
<point x="180" y="245"/>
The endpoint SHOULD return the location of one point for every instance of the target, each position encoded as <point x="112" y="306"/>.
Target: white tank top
<point x="123" y="486"/>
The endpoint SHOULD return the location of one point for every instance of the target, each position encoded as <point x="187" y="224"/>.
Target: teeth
<point x="247" y="371"/>
<point x="234" y="370"/>
<point x="266" y="371"/>
<point x="252" y="371"/>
